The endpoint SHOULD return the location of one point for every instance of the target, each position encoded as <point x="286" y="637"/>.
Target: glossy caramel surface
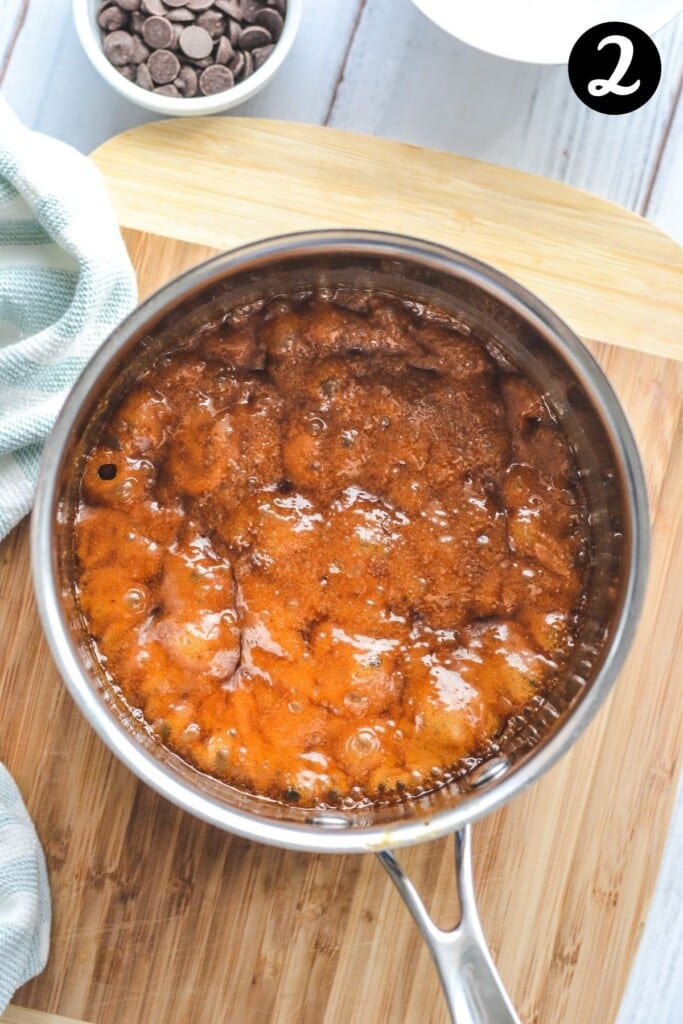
<point x="328" y="547"/>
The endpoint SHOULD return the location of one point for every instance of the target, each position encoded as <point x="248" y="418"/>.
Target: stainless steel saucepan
<point x="523" y="330"/>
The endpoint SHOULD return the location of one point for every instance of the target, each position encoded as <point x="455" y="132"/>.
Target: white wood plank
<point x="52" y="86"/>
<point x="665" y="205"/>
<point x="408" y="80"/>
<point x="10" y="19"/>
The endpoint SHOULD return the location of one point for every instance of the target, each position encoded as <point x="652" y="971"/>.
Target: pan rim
<point x="162" y="778"/>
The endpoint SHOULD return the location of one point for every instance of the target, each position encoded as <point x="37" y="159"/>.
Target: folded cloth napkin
<point x="65" y="283"/>
<point x="24" y="894"/>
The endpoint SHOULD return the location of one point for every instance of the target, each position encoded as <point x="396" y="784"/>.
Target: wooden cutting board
<point x="160" y="918"/>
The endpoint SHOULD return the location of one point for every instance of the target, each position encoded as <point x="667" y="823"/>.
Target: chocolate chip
<point x="205" y="62"/>
<point x="112" y="18"/>
<point x="128" y="71"/>
<point x="177" y="32"/>
<point x="182" y="16"/>
<point x="195" y="42"/>
<point x="213" y="22"/>
<point x="168" y="90"/>
<point x="153" y="7"/>
<point x="157" y="32"/>
<point x="279" y="5"/>
<point x="143" y="78"/>
<point x="129" y="5"/>
<point x="187" y="83"/>
<point x="236" y="64"/>
<point x="253" y="36"/>
<point x="230" y="7"/>
<point x="140" y="51"/>
<point x="216" y="78"/>
<point x="272" y="21"/>
<point x="224" y="51"/>
<point x="248" y="65"/>
<point x="234" y="32"/>
<point x="175" y="3"/>
<point x="261" y="55"/>
<point x="136" y="21"/>
<point x="199" y="5"/>
<point x="118" y="48"/>
<point x="251" y="10"/>
<point x="163" y="67"/>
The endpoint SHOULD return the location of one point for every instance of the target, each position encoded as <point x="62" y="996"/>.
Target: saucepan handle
<point x="473" y="989"/>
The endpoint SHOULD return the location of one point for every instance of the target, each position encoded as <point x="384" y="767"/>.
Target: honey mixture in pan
<point x="328" y="547"/>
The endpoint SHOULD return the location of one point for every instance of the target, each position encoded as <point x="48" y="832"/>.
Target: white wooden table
<point x="378" y="66"/>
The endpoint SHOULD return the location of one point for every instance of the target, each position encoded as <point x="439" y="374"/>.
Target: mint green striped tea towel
<point x="24" y="894"/>
<point x="65" y="283"/>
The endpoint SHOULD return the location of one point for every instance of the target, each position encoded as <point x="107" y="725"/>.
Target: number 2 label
<point x="602" y="86"/>
<point x="614" y="67"/>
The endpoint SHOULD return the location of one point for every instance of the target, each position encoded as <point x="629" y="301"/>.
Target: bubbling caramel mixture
<point x="329" y="547"/>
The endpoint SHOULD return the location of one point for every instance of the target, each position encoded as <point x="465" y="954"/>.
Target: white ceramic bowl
<point x="540" y="31"/>
<point x="85" y="17"/>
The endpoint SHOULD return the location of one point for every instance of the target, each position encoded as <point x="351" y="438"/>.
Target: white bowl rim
<point x="88" y="33"/>
<point x="471" y="25"/>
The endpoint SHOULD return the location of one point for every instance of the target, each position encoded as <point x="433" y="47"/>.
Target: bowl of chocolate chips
<point x="187" y="57"/>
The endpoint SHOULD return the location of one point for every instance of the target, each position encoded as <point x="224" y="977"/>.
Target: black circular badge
<point x="614" y="67"/>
